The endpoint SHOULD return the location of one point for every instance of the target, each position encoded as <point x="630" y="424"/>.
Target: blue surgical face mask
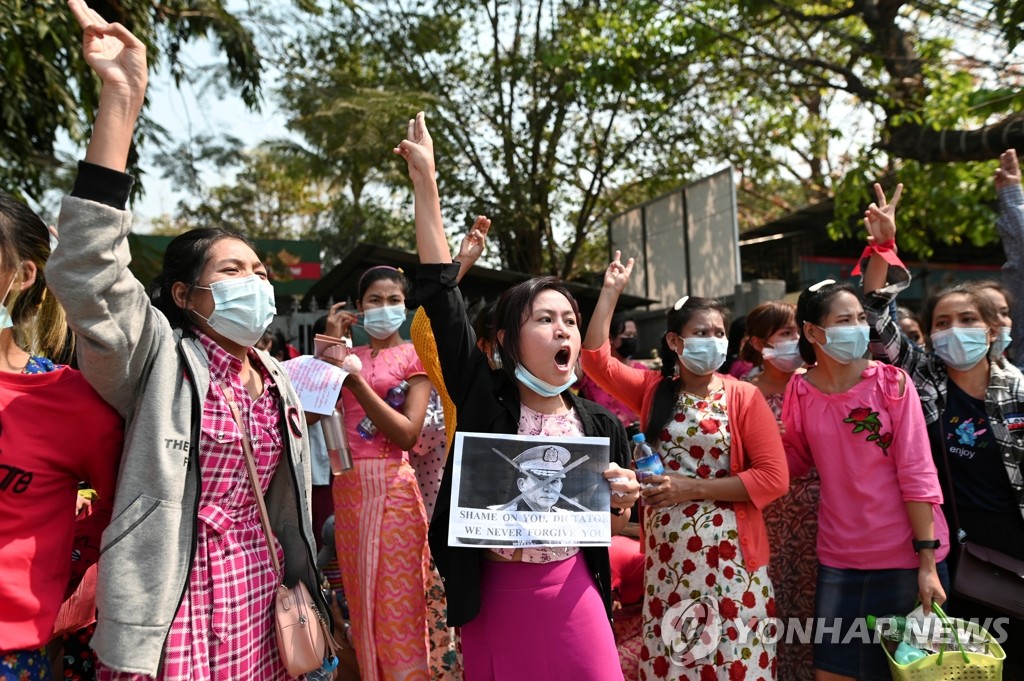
<point x="242" y="308"/>
<point x="1002" y="341"/>
<point x="542" y="387"/>
<point x="5" y="315"/>
<point x="383" y="322"/>
<point x="845" y="343"/>
<point x="961" y="347"/>
<point x="784" y="356"/>
<point x="703" y="355"/>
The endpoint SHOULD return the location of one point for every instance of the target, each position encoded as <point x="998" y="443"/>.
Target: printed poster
<point x="525" y="490"/>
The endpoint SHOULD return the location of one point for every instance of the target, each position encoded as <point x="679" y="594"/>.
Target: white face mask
<point x="242" y="308"/>
<point x="5" y="315"/>
<point x="542" y="387"/>
<point x="845" y="343"/>
<point x="1002" y="341"/>
<point x="383" y="322"/>
<point x="703" y="355"/>
<point x="961" y="347"/>
<point x="785" y="356"/>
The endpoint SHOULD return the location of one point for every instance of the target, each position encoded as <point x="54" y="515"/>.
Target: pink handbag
<point x="303" y="635"/>
<point x="301" y="631"/>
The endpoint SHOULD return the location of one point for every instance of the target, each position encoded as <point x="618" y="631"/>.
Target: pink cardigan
<point x="756" y="454"/>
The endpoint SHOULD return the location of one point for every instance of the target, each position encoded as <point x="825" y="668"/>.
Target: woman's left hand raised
<point x="880" y="217"/>
<point x="625" y="488"/>
<point x="474" y="243"/>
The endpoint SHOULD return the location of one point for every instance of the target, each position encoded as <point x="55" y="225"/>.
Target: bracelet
<point x="886" y="249"/>
<point x="618" y="512"/>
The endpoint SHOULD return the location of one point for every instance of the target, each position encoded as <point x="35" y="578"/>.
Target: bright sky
<point x="184" y="116"/>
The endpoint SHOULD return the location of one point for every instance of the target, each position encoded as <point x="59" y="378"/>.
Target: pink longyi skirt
<point x="542" y="622"/>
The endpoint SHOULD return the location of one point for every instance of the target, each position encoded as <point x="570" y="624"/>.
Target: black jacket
<point x="487" y="401"/>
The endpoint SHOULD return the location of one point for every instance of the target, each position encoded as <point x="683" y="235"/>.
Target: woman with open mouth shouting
<point x="538" y="613"/>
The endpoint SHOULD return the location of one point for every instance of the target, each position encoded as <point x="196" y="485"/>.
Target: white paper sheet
<point x="317" y="383"/>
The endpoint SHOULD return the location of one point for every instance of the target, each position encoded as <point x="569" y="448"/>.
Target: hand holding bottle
<point x="395" y="398"/>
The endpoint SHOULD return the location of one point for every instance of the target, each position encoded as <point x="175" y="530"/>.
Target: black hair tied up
<point x="184" y="260"/>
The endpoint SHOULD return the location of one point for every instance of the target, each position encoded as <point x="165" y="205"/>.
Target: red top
<point x="756" y="454"/>
<point x="55" y="432"/>
<point x="589" y="389"/>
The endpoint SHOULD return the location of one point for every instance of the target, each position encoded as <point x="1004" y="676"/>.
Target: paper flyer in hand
<point x="317" y="383"/>
<point x="524" y="490"/>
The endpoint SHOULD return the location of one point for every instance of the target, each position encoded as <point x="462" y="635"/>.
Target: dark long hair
<point x="184" y="260"/>
<point x="665" y="394"/>
<point x="986" y="308"/>
<point x="512" y="310"/>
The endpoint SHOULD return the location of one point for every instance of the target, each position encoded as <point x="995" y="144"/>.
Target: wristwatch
<point x="618" y="511"/>
<point x="926" y="544"/>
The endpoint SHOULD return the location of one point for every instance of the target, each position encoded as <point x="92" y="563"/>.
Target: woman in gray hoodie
<point x="185" y="586"/>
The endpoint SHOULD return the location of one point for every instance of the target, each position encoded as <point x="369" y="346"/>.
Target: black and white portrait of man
<point x="507" y="487"/>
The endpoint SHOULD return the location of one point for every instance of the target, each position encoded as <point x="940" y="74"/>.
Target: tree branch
<point x="927" y="145"/>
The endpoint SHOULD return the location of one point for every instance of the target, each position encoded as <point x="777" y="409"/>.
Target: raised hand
<point x="117" y="56"/>
<point x="339" y="321"/>
<point x="474" y="243"/>
<point x="617" y="274"/>
<point x="1008" y="173"/>
<point x="880" y="217"/>
<point x="418" y="150"/>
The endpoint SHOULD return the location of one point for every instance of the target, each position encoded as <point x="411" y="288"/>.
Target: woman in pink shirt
<point x="379" y="520"/>
<point x="882" y="537"/>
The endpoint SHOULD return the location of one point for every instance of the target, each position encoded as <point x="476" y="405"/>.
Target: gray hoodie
<point x="157" y="381"/>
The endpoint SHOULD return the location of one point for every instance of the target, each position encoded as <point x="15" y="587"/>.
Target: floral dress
<point x="693" y="552"/>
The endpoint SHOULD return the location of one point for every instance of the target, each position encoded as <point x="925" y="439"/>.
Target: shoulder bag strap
<point x="957" y="536"/>
<point x="250" y="465"/>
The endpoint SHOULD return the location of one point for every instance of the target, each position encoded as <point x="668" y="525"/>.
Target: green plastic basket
<point x="952" y="665"/>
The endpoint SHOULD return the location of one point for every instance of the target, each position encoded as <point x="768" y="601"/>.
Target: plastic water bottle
<point x="395" y="398"/>
<point x="914" y="632"/>
<point x="645" y="460"/>
<point x="366" y="428"/>
<point x="892" y="628"/>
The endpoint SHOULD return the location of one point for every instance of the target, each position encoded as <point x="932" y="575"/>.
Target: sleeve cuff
<point x="102" y="185"/>
<point x="1011" y="196"/>
<point x="432" y="279"/>
<point x="877" y="302"/>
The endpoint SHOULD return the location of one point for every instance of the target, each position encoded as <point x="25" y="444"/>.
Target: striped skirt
<point x="380" y="529"/>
